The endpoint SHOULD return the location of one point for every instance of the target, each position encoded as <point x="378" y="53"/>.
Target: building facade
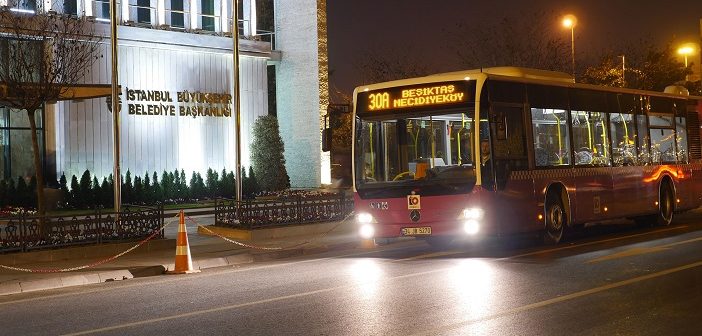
<point x="176" y="79"/>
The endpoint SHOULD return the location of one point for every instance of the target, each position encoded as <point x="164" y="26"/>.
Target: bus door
<point x="509" y="155"/>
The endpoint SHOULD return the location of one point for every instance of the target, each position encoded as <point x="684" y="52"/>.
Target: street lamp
<point x="569" y="21"/>
<point x="686" y="50"/>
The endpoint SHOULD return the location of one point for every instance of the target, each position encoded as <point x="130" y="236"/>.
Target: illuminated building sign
<point x="440" y="95"/>
<point x="182" y="103"/>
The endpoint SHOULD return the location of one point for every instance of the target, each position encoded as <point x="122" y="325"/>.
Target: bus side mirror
<point x="326" y="139"/>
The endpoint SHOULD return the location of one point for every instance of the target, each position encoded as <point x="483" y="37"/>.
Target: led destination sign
<point x="416" y="96"/>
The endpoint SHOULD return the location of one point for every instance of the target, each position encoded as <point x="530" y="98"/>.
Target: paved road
<point x="605" y="281"/>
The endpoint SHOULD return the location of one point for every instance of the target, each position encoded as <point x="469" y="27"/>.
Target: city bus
<point x="511" y="150"/>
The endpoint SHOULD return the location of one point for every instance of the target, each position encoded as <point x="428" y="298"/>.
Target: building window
<point x="177" y="13"/>
<point x="143" y="11"/>
<point x="102" y="9"/>
<point x="27" y="5"/>
<point x="207" y="11"/>
<point x="70" y="7"/>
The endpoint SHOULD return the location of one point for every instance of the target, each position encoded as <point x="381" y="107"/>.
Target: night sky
<point x="420" y="26"/>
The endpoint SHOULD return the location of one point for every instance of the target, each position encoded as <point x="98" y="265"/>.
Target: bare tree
<point x="375" y="66"/>
<point x="526" y="41"/>
<point x="43" y="55"/>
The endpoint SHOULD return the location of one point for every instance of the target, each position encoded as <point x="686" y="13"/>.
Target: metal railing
<point x="24" y="232"/>
<point x="252" y="214"/>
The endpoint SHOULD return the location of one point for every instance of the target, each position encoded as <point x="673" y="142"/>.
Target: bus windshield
<point x="430" y="150"/>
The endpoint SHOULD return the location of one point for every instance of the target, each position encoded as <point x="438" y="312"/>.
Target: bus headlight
<point x="471" y="226"/>
<point x="367" y="231"/>
<point x="364" y="218"/>
<point x="473" y="213"/>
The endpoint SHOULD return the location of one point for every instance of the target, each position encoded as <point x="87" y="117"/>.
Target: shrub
<point x="75" y="190"/>
<point x="267" y="155"/>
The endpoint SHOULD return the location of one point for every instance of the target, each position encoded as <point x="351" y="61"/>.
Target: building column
<point x="80" y="7"/>
<point x="87" y="7"/>
<point x="194" y="10"/>
<point x="302" y="89"/>
<point x="160" y="13"/>
<point x="125" y="11"/>
<point x="224" y="16"/>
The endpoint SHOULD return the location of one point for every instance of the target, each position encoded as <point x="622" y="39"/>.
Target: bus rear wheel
<point x="555" y="219"/>
<point x="666" y="208"/>
<point x="666" y="204"/>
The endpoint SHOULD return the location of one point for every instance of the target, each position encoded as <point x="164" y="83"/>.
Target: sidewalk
<point x="159" y="256"/>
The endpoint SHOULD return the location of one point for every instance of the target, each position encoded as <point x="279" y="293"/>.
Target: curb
<point x="69" y="280"/>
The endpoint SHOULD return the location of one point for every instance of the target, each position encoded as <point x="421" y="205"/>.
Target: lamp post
<point x="623" y="70"/>
<point x="116" y="171"/>
<point x="569" y="21"/>
<point x="685" y="51"/>
<point x="237" y="109"/>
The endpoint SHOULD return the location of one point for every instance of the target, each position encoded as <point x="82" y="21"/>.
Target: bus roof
<point x="517" y="74"/>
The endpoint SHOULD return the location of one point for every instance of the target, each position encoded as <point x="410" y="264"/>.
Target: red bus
<point x="513" y="150"/>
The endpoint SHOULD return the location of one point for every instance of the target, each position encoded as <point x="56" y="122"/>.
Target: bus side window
<point x="622" y="137"/>
<point x="644" y="155"/>
<point x="681" y="138"/>
<point x="551" y="138"/>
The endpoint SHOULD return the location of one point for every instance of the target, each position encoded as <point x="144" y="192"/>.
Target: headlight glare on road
<point x="471" y="226"/>
<point x="364" y="218"/>
<point x="367" y="231"/>
<point x="473" y="213"/>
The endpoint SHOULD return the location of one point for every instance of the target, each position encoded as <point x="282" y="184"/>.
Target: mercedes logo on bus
<point x="414" y="215"/>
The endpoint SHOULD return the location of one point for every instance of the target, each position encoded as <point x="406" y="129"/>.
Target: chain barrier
<point x="97" y="263"/>
<point x="255" y="247"/>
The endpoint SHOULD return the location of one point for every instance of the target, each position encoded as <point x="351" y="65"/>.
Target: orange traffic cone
<point x="183" y="262"/>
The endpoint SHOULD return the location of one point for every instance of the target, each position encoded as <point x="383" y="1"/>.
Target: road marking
<point x="594" y="242"/>
<point x="430" y="255"/>
<point x="138" y="282"/>
<point x="568" y="297"/>
<point x="641" y="250"/>
<point x="241" y="305"/>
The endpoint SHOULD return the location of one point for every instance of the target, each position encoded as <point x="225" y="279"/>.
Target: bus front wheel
<point x="555" y="219"/>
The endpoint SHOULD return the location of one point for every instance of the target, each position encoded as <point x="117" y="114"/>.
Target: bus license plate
<point x="416" y="231"/>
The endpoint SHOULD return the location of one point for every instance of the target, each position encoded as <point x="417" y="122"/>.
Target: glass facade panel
<point x="21" y="157"/>
<point x="16" y="143"/>
<point x="551" y="138"/>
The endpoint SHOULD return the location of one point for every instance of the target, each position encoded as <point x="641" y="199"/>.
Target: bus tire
<point x="555" y="218"/>
<point x="666" y="203"/>
<point x="439" y="242"/>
